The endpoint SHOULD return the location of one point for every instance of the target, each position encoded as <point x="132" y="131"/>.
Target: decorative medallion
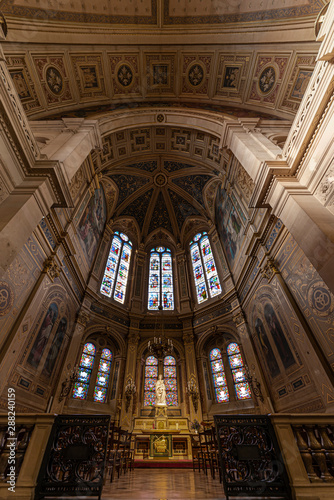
<point x="195" y="75"/>
<point x="267" y="80"/>
<point x="6" y="298"/>
<point x="160" y="117"/>
<point x="160" y="74"/>
<point x="125" y="75"/>
<point x="54" y="80"/>
<point x="160" y="179"/>
<point x="320" y="299"/>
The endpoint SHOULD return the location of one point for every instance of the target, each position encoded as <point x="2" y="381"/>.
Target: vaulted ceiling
<point x="81" y="57"/>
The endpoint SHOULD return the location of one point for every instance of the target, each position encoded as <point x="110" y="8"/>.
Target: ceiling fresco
<point x="163" y="198"/>
<point x="171" y="12"/>
<point x="247" y="80"/>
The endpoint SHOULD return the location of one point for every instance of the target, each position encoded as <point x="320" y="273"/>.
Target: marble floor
<point x="164" y="484"/>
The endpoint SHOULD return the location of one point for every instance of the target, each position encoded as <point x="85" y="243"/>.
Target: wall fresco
<point x="91" y="224"/>
<point x="229" y="226"/>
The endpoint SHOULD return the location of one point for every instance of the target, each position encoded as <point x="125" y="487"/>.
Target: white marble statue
<point x="160" y="392"/>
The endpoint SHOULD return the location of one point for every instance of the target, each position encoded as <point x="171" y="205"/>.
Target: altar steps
<point x="163" y="464"/>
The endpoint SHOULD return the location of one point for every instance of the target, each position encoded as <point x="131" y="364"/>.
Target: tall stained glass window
<point x="204" y="268"/>
<point x="151" y="376"/>
<point x="116" y="272"/>
<point x="218" y="375"/>
<point x="103" y="374"/>
<point x="170" y="380"/>
<point x="160" y="287"/>
<point x="80" y="389"/>
<point x="241" y="385"/>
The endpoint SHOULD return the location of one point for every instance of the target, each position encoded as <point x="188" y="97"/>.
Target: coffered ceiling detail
<point x="98" y="81"/>
<point x="190" y="12"/>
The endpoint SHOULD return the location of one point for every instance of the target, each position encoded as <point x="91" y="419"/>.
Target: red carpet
<point x="161" y="464"/>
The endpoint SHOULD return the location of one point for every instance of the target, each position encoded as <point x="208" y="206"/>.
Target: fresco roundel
<point x="6" y="298"/>
<point x="320" y="299"/>
<point x="267" y="80"/>
<point x="124" y="75"/>
<point x="54" y="80"/>
<point x="196" y="75"/>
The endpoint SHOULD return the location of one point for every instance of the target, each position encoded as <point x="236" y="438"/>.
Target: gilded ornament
<point x="6" y="298"/>
<point x="54" y="80"/>
<point x="267" y="80"/>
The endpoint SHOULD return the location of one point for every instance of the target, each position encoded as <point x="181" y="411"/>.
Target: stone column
<point x="59" y="400"/>
<point x="130" y="371"/>
<point x="184" y="292"/>
<point x="191" y="368"/>
<point x="138" y="265"/>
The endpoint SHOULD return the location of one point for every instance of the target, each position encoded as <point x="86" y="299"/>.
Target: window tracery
<point x="160" y="287"/>
<point x="151" y="377"/>
<point x="88" y="359"/>
<point x="204" y="268"/>
<point x="116" y="272"/>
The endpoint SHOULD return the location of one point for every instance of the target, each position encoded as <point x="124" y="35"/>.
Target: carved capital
<point x="51" y="268"/>
<point x="239" y="318"/>
<point x="83" y="318"/>
<point x="133" y="339"/>
<point x="188" y="338"/>
<point x="269" y="270"/>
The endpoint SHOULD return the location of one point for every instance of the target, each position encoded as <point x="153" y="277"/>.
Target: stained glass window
<point x="241" y="385"/>
<point x="204" y="268"/>
<point x="80" y="389"/>
<point x="151" y="376"/>
<point x="102" y="379"/>
<point x="160" y="287"/>
<point x="117" y="268"/>
<point x="170" y="381"/>
<point x="218" y="375"/>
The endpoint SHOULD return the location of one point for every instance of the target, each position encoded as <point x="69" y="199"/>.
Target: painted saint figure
<point x="160" y="392"/>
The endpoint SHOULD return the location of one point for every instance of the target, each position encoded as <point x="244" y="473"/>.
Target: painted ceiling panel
<point x="182" y="208"/>
<point x="193" y="184"/>
<point x="138" y="207"/>
<point x="160" y="216"/>
<point x="127" y="185"/>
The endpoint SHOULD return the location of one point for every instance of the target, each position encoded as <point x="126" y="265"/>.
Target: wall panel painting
<point x="266" y="349"/>
<point x="278" y="336"/>
<point x="55" y="348"/>
<point x="43" y="335"/>
<point x="229" y="226"/>
<point x="91" y="224"/>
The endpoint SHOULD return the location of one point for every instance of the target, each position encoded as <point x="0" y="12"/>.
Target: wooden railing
<point x="32" y="432"/>
<point x="307" y="445"/>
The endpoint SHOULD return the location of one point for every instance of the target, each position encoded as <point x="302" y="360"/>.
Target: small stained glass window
<point x="204" y="268"/>
<point x="151" y="376"/>
<point x="170" y="379"/>
<point x="102" y="379"/>
<point x="218" y="375"/>
<point x="241" y="385"/>
<point x="86" y="363"/>
<point x="116" y="272"/>
<point x="160" y="286"/>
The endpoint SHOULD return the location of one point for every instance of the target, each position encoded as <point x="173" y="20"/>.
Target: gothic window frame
<point x="233" y="377"/>
<point x="170" y="377"/>
<point x="152" y="389"/>
<point x="203" y="277"/>
<point x="160" y="251"/>
<point x="93" y="384"/>
<point x="113" y="286"/>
